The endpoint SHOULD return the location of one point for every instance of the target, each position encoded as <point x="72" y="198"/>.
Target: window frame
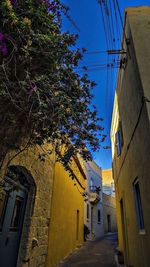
<point x="138" y="205"/>
<point x="119" y="141"/>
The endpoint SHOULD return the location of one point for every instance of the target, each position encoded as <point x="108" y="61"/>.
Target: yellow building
<point x="67" y="213"/>
<point x="109" y="202"/>
<point x="41" y="209"/>
<point x="108" y="182"/>
<point x="130" y="133"/>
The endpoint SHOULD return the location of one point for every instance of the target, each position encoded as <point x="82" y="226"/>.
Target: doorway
<point x="13" y="198"/>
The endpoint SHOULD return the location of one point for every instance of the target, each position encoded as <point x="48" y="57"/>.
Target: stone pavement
<point x="98" y="253"/>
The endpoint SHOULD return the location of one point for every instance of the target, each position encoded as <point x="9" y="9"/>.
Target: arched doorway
<point x="13" y="199"/>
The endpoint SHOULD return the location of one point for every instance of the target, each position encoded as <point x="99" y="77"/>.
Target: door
<point x="12" y="209"/>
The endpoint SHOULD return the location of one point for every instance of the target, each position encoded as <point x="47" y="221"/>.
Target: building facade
<point x="109" y="202"/>
<point x="66" y="229"/>
<point x="130" y="139"/>
<point x="93" y="207"/>
<point x="109" y="213"/>
<point x="108" y="182"/>
<point x="41" y="210"/>
<point x="26" y="193"/>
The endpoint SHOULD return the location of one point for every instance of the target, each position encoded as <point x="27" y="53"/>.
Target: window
<point x="15" y="221"/>
<point x="92" y="185"/>
<point x="138" y="205"/>
<point x="99" y="216"/>
<point x="91" y="182"/>
<point x="87" y="212"/>
<point x="119" y="140"/>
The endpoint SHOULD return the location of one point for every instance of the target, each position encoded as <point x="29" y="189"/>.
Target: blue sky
<point x="86" y="19"/>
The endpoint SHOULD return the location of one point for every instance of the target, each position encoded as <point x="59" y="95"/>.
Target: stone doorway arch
<point x="17" y="203"/>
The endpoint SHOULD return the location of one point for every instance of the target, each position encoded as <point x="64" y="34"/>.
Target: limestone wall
<point x="109" y="213"/>
<point x="37" y="216"/>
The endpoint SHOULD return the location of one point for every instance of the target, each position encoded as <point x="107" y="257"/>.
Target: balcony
<point x="94" y="194"/>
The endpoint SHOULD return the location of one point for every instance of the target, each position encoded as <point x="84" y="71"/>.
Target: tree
<point x="42" y="98"/>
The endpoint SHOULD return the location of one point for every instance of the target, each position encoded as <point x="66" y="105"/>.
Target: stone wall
<point x="109" y="210"/>
<point x="34" y="238"/>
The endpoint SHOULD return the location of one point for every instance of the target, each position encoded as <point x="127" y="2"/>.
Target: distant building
<point x="109" y="202"/>
<point x="108" y="182"/>
<point x="130" y="136"/>
<point x="93" y="208"/>
<point x="109" y="213"/>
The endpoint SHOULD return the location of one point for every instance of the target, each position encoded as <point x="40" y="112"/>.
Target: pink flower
<point x="2" y="36"/>
<point x="33" y="88"/>
<point x="52" y="5"/>
<point x="4" y="50"/>
<point x="13" y="2"/>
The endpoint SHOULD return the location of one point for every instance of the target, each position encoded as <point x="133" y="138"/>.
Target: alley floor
<point x="98" y="253"/>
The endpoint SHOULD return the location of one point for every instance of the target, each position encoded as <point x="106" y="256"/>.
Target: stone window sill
<point x="142" y="232"/>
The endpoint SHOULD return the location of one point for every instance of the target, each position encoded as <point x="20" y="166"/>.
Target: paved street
<point x="99" y="253"/>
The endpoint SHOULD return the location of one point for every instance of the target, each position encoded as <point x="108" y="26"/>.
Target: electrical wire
<point x="117" y="23"/>
<point x="112" y="23"/>
<point x="96" y="52"/>
<point x="119" y="11"/>
<point x="101" y="7"/>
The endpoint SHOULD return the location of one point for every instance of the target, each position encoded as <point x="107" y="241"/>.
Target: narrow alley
<point x="98" y="253"/>
<point x="74" y="133"/>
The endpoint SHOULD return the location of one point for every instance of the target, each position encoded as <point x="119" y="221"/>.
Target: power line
<point x="72" y="22"/>
<point x="121" y="19"/>
<point x="109" y="51"/>
<point x="99" y="1"/>
<point x="96" y="52"/>
<point x="117" y="23"/>
<point x="112" y="23"/>
<point x="70" y="19"/>
<point x="108" y="63"/>
<point x="107" y="12"/>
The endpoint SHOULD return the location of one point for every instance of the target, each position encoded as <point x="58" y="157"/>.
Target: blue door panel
<point x="10" y="232"/>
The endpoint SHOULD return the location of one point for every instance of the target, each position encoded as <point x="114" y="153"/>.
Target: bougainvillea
<point x="42" y="98"/>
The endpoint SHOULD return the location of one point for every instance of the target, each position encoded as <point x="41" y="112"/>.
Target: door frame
<point x="30" y="188"/>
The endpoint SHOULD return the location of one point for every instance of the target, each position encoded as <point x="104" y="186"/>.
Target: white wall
<point x="93" y="171"/>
